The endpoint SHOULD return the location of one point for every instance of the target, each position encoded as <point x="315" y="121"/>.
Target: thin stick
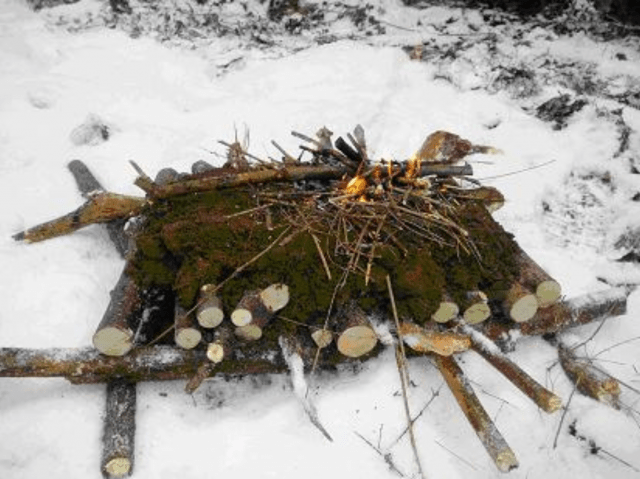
<point x="322" y="258"/>
<point x="387" y="457"/>
<point x="564" y="413"/>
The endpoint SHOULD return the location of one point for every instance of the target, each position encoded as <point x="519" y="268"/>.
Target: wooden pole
<point x="545" y="399"/>
<point x="502" y="455"/>
<point x="119" y="429"/>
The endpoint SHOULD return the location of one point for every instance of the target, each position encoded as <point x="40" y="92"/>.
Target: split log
<point x="444" y="147"/>
<point x="119" y="429"/>
<point x="209" y="312"/>
<point x="156" y="363"/>
<point x="444" y="343"/>
<point x="502" y="455"/>
<point x="532" y="276"/>
<point x="476" y="307"/>
<point x="186" y="333"/>
<point x="322" y="337"/>
<point x="100" y="208"/>
<point x="114" y="335"/>
<point x="544" y="398"/>
<point x="358" y="337"/>
<point x="520" y="304"/>
<point x="447" y="310"/>
<point x="577" y="311"/>
<point x="256" y="308"/>
<point x="590" y="380"/>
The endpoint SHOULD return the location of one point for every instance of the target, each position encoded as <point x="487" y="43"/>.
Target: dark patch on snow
<point x="559" y="109"/>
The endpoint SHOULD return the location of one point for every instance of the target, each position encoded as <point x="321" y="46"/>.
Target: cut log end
<point x="357" y="341"/>
<point x="322" y="338"/>
<point x="445" y="312"/>
<point x="113" y="341"/>
<point x="506" y="461"/>
<point x="241" y="317"/>
<point x="249" y="332"/>
<point x="188" y="338"/>
<point x="477" y="313"/>
<point x="210" y="313"/>
<point x="275" y="297"/>
<point x="548" y="292"/>
<point x="524" y="309"/>
<point x="215" y="352"/>
<point x="118" y="467"/>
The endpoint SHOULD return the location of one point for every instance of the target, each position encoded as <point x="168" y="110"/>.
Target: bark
<point x="533" y="277"/>
<point x="520" y="304"/>
<point x="186" y="333"/>
<point x="102" y="207"/>
<point x="421" y="340"/>
<point x="114" y="335"/>
<point x="217" y="350"/>
<point x="209" y="312"/>
<point x="577" y="311"/>
<point x="476" y="307"/>
<point x="502" y="455"/>
<point x="118" y="439"/>
<point x="544" y="398"/>
<point x="590" y="380"/>
<point x="358" y="337"/>
<point x="156" y="363"/>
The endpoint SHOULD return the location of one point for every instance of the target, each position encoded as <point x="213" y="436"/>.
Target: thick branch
<point x="487" y="432"/>
<point x="118" y="439"/>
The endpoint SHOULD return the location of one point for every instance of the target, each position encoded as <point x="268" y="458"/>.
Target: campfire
<point x="303" y="263"/>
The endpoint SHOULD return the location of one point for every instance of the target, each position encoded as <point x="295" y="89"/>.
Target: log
<point x="256" y="308"/>
<point x="520" y="304"/>
<point x="358" y="337"/>
<point x="502" y="455"/>
<point x="533" y="277"/>
<point x="545" y="399"/>
<point x="186" y="333"/>
<point x="217" y="350"/>
<point x="447" y="310"/>
<point x="209" y="312"/>
<point x="577" y="311"/>
<point x="590" y="380"/>
<point x="322" y="337"/>
<point x="421" y="340"/>
<point x="114" y="335"/>
<point x="200" y="167"/>
<point x="444" y="147"/>
<point x="118" y="439"/>
<point x="102" y="207"/>
<point x="476" y="307"/>
<point x="155" y="363"/>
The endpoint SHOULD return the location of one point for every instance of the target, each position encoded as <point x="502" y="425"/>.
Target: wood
<point x="476" y="307"/>
<point x="358" y="337"/>
<point x="322" y="337"/>
<point x="114" y="335"/>
<point x="447" y="310"/>
<point x="444" y="343"/>
<point x="100" y="208"/>
<point x="520" y="304"/>
<point x="118" y="439"/>
<point x="209" y="312"/>
<point x="544" y="399"/>
<point x="155" y="363"/>
<point x="502" y="455"/>
<point x="217" y="351"/>
<point x="590" y="380"/>
<point x="532" y="276"/>
<point x="577" y="311"/>
<point x="186" y="333"/>
<point x="444" y="147"/>
<point x="256" y="308"/>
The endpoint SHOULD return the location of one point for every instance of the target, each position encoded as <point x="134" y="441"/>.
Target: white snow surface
<point x="168" y="106"/>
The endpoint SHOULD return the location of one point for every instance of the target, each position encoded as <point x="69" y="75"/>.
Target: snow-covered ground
<point x="168" y="106"/>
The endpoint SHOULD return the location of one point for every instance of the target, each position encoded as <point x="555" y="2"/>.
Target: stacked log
<point x="186" y="333"/>
<point x="256" y="308"/>
<point x="209" y="312"/>
<point x="357" y="337"/>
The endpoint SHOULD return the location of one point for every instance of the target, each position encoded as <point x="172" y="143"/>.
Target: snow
<point x="168" y="105"/>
